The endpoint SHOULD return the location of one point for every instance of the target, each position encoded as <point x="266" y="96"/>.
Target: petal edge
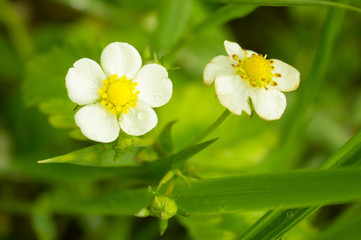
<point x="154" y="85"/>
<point x="290" y="76"/>
<point x="121" y="59"/>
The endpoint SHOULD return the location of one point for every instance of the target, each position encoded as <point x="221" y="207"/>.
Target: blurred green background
<point x="41" y="39"/>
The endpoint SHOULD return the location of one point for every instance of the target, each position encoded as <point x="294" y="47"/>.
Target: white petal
<point x="121" y="59"/>
<point x="154" y="85"/>
<point x="138" y="120"/>
<point x="97" y="123"/>
<point x="233" y="93"/>
<point x="233" y="48"/>
<point x="290" y="76"/>
<point x="218" y="66"/>
<point x="269" y="104"/>
<point x="83" y="81"/>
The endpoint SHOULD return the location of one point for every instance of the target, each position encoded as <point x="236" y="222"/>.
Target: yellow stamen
<point x="118" y="94"/>
<point x="257" y="70"/>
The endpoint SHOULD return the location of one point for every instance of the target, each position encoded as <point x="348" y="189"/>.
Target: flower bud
<point x="163" y="207"/>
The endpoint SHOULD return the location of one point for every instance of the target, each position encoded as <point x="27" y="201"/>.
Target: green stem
<point x="211" y="128"/>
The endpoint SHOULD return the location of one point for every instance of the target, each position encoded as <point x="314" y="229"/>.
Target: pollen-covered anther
<point x="257" y="70"/>
<point x="118" y="94"/>
<point x="273" y="83"/>
<point x="278" y="75"/>
<point x="235" y="57"/>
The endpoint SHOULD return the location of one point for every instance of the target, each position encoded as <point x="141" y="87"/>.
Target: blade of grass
<point x="177" y="159"/>
<point x="173" y="18"/>
<point x="269" y="191"/>
<point x="275" y="3"/>
<point x="228" y="195"/>
<point x="211" y="128"/>
<point x="223" y="15"/>
<point x="277" y="222"/>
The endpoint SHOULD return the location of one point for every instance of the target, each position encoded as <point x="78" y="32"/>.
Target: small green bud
<point x="163" y="207"/>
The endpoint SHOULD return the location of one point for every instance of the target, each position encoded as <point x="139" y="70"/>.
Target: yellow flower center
<point x="257" y="70"/>
<point x="118" y="94"/>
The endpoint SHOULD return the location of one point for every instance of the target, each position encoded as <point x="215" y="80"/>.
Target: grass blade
<point x="174" y="15"/>
<point x="270" y="191"/>
<point x="277" y="222"/>
<point x="229" y="195"/>
<point x="282" y="3"/>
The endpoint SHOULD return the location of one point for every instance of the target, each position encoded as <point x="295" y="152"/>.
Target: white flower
<point x="244" y="74"/>
<point x="118" y="95"/>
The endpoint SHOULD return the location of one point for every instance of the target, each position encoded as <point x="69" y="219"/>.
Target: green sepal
<point x="144" y="212"/>
<point x="163" y="224"/>
<point x="182" y="212"/>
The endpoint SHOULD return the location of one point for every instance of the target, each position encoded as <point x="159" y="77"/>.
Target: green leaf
<point x="179" y="158"/>
<point x="173" y="18"/>
<point x="108" y="155"/>
<point x="270" y="191"/>
<point x="99" y="155"/>
<point x="233" y="194"/>
<point x="333" y="3"/>
<point x="225" y="14"/>
<point x="276" y="222"/>
<point x="348" y="155"/>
